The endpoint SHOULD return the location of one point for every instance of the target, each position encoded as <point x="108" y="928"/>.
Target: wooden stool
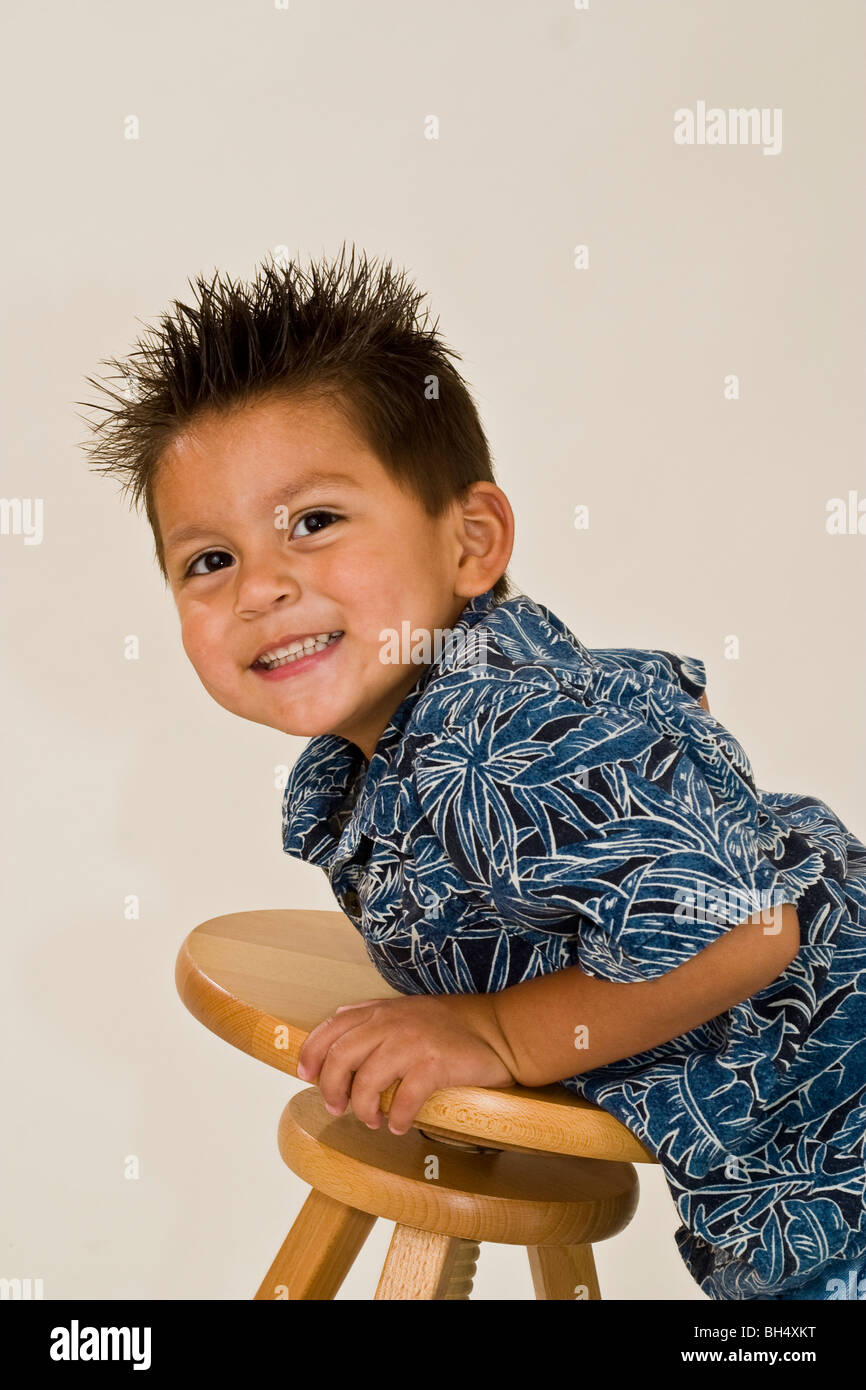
<point x="536" y="1167"/>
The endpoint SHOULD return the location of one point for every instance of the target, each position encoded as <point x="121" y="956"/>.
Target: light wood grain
<point x="564" y="1272"/>
<point x="424" y="1265"/>
<point x="318" y="1252"/>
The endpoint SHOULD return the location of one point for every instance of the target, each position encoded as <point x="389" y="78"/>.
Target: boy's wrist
<point x="479" y="1012"/>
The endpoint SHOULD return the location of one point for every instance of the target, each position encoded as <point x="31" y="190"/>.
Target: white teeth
<point x="281" y="656"/>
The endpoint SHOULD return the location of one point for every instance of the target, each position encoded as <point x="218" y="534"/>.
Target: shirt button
<point x="351" y="901"/>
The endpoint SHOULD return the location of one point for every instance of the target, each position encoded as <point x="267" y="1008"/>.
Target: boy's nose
<point x="263" y="583"/>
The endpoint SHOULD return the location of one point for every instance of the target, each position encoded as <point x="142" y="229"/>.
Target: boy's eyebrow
<point x="315" y="478"/>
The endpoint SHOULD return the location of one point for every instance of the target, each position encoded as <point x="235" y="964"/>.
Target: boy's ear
<point x="703" y="701"/>
<point x="488" y="523"/>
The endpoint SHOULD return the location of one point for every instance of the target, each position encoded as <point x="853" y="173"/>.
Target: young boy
<point x="558" y="856"/>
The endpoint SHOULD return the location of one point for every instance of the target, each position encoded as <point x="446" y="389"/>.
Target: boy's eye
<point x="309" y="516"/>
<point x="205" y="556"/>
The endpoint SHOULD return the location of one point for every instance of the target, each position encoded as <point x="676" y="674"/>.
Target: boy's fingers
<point x="339" y="1065"/>
<point x="317" y="1043"/>
<point x="417" y="1086"/>
<point x="371" y="1078"/>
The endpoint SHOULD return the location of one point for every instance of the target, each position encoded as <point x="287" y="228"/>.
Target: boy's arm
<point x="535" y="1021"/>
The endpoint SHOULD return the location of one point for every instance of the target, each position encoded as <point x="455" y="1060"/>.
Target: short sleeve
<point x="689" y="672"/>
<point x="585" y="821"/>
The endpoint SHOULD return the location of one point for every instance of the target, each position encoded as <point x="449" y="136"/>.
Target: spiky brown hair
<point x="349" y="332"/>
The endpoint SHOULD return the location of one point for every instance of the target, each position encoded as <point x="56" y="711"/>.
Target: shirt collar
<point x="333" y="796"/>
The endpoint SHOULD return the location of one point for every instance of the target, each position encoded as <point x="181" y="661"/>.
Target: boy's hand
<point x="425" y="1042"/>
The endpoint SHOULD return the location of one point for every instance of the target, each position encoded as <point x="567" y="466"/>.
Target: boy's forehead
<point x="266" y="438"/>
<point x="261" y="456"/>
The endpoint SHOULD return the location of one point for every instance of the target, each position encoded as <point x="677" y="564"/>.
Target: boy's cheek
<point x="221" y="678"/>
<point x="205" y="653"/>
<point x="188" y="639"/>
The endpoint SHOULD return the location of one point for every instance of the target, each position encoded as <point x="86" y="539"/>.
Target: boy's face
<point x="357" y="555"/>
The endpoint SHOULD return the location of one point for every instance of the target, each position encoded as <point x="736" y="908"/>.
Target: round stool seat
<point x="506" y="1197"/>
<point x="263" y="979"/>
<point x="532" y="1166"/>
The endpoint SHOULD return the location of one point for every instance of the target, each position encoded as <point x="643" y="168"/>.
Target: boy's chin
<point x="295" y="720"/>
<point x="292" y="723"/>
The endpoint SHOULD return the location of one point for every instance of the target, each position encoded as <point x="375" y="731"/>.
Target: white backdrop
<point x="604" y="379"/>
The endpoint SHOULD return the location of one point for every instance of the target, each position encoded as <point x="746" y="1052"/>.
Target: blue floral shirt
<point x="534" y="804"/>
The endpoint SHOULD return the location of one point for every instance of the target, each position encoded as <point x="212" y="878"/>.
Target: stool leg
<point x="563" y="1271"/>
<point x="318" y="1252"/>
<point x="465" y="1259"/>
<point x="425" y="1265"/>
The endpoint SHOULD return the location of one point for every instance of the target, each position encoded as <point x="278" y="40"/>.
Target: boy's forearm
<point x="557" y="1025"/>
<point x="568" y="1022"/>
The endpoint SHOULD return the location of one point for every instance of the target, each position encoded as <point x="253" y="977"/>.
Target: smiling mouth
<point x="295" y="651"/>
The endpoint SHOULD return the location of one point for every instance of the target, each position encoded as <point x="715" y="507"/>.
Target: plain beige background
<point x="262" y="128"/>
